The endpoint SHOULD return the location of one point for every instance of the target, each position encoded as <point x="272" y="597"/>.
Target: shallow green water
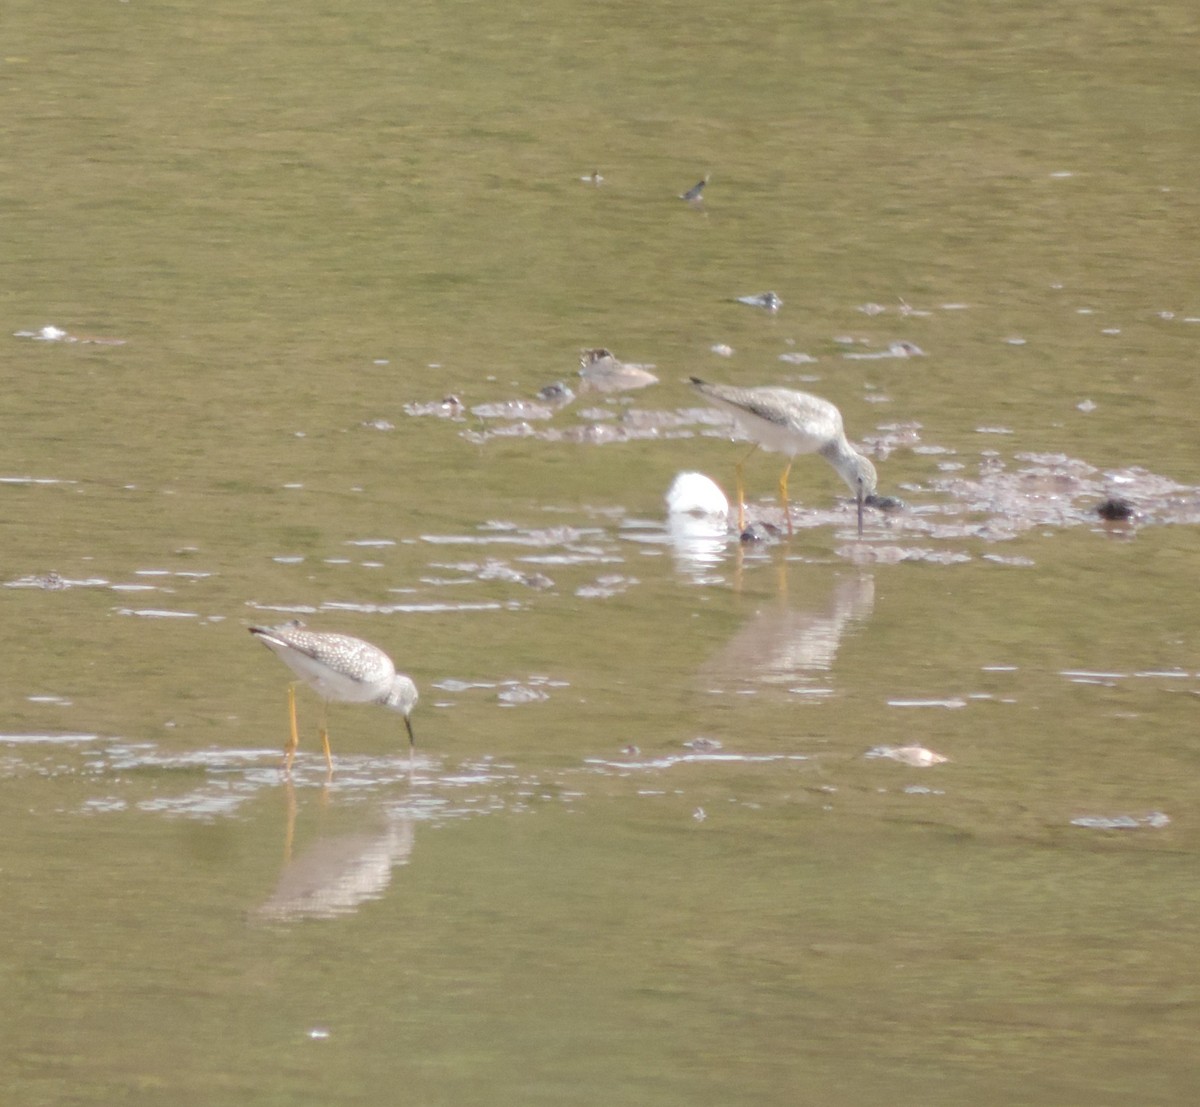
<point x="298" y="227"/>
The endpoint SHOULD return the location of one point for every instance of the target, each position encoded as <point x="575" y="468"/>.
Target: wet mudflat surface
<point x="389" y="332"/>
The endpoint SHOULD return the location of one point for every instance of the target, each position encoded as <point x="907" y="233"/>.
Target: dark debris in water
<point x="1056" y="490"/>
<point x="1116" y="510"/>
<point x="557" y="393"/>
<point x="760" y="532"/>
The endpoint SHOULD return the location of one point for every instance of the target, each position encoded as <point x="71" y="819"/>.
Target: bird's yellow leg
<point x="741" y="490"/>
<point x="289" y="750"/>
<point x="787" y="513"/>
<point x="325" y="735"/>
<point x="290" y="831"/>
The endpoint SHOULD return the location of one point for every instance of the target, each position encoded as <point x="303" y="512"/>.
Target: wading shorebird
<point x="792" y="423"/>
<point x="339" y="669"/>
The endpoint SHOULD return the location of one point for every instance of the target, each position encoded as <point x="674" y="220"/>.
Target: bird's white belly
<point x="780" y="439"/>
<point x="334" y="686"/>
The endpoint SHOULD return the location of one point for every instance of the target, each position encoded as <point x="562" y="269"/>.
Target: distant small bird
<point x="791" y="423"/>
<point x="339" y="669"/>
<point x="692" y="196"/>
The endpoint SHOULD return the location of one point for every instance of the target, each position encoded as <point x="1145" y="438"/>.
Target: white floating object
<point x="895" y="349"/>
<point x="695" y="494"/>
<point x="48" y="333"/>
<point x="917" y="756"/>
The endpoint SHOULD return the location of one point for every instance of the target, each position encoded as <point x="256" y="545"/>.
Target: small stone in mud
<point x="885" y="503"/>
<point x="1115" y="510"/>
<point x="760" y="532"/>
<point x="556" y="393"/>
<point x="702" y="745"/>
<point x="602" y="371"/>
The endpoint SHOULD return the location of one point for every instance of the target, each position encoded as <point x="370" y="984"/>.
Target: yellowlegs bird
<point x="791" y="423"/>
<point x="338" y="668"/>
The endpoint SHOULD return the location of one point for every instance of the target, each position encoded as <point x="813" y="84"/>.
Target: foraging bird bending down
<point x="338" y="668"/>
<point x="792" y="423"/>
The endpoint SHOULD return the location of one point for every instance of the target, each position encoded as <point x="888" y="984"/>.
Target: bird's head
<point x="402" y="697"/>
<point x="862" y="477"/>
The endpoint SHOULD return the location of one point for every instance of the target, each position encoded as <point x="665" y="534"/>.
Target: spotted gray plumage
<point x="792" y="423"/>
<point x="341" y="668"/>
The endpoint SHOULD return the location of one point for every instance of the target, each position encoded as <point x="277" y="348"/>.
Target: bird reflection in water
<point x="789" y="642"/>
<point x="338" y="873"/>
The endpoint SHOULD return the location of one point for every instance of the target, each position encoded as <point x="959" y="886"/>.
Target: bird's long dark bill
<point x="860" y="508"/>
<point x="412" y="741"/>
